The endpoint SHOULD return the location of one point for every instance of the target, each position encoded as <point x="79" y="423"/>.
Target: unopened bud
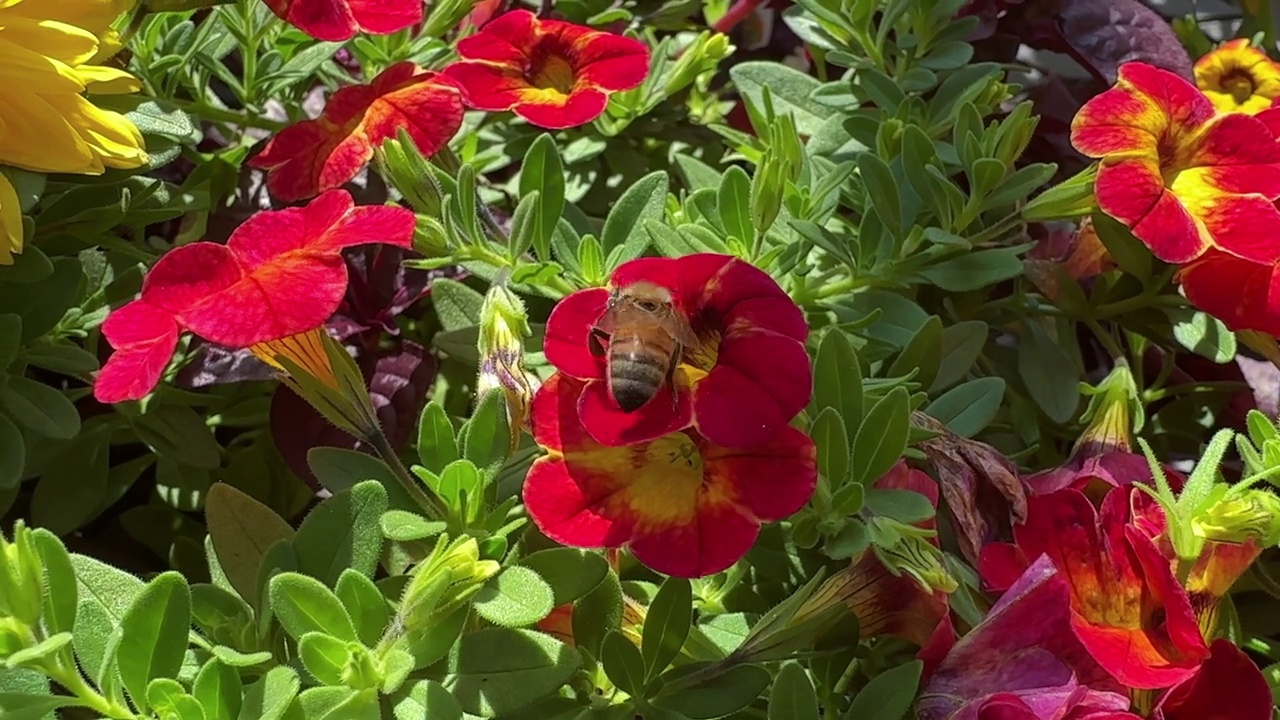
<point x="701" y="56"/>
<point x="504" y="325"/>
<point x="1252" y="514"/>
<point x="1072" y="197"/>
<point x="914" y="556"/>
<point x="21" y="577"/>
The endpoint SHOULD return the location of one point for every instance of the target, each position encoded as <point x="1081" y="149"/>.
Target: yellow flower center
<point x="554" y="73"/>
<point x="1239" y="84"/>
<point x="306" y="350"/>
<point x="667" y="479"/>
<point x="696" y="362"/>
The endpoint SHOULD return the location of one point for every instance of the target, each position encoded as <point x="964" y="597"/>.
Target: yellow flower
<point x="47" y="51"/>
<point x="1238" y="78"/>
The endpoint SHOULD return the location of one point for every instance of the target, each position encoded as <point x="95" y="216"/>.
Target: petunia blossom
<point x="338" y="20"/>
<point x="280" y="274"/>
<point x="1183" y="178"/>
<point x="1243" y="294"/>
<point x="683" y="505"/>
<point x="748" y="376"/>
<point x="312" y="156"/>
<point x="1237" y="77"/>
<point x="1127" y="608"/>
<point x="552" y="73"/>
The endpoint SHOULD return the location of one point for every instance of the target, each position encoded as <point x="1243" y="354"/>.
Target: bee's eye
<point x="648" y="306"/>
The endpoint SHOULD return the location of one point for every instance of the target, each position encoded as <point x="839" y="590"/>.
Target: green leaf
<point x="793" y="696"/>
<point x="923" y="353"/>
<point x="241" y="530"/>
<point x="967" y="409"/>
<point x="666" y="625"/>
<point x="962" y="343"/>
<point x="543" y="172"/>
<point x="516" y="597"/>
<point x="881" y="438"/>
<point x="457" y="305"/>
<point x="104" y="594"/>
<point x="217" y="686"/>
<point x="73" y="486"/>
<point x="696" y="173"/>
<point x="341" y="468"/>
<point x="883" y="192"/>
<point x="270" y="697"/>
<point x="719" y="695"/>
<point x="153" y="633"/>
<point x="733" y="202"/>
<point x="436" y="444"/>
<point x="790" y="92"/>
<point x="830" y="436"/>
<point x="427" y="700"/>
<point x="324" y="656"/>
<point x="303" y="604"/>
<point x="40" y="408"/>
<point x="485" y="437"/>
<point x="1129" y="253"/>
<point x="1051" y="376"/>
<point x="598" y="612"/>
<point x="178" y="433"/>
<point x="342" y="532"/>
<point x="887" y="696"/>
<point x="976" y="270"/>
<point x="623" y="664"/>
<point x="905" y="506"/>
<point x="1202" y="334"/>
<point x="624" y="237"/>
<point x="30" y="706"/>
<point x="837" y="379"/>
<point x="61" y="595"/>
<point x="571" y="573"/>
<point x="364" y="604"/>
<point x="496" y="671"/>
<point x="10" y="338"/>
<point x="405" y="526"/>
<point x="43" y="304"/>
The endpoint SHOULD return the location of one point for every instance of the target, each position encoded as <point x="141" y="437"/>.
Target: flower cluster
<point x="1195" y="175"/>
<point x="686" y="477"/>
<point x="1101" y="617"/>
<point x="554" y="74"/>
<point x="50" y="52"/>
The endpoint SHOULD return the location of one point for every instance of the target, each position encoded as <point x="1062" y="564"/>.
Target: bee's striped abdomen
<point x="637" y="368"/>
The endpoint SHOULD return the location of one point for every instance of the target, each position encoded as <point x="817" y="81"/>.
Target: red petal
<point x="1000" y="566"/>
<point x="719" y="536"/>
<point x="328" y="20"/>
<point x="190" y="274"/>
<point x="1205" y="696"/>
<point x="1133" y="192"/>
<point x="492" y="88"/>
<point x="505" y="40"/>
<point x="1244" y="150"/>
<point x="382" y="17"/>
<point x="607" y="61"/>
<point x="609" y="425"/>
<point x="761" y="380"/>
<point x="567" y="504"/>
<point x="568" y="330"/>
<point x="1186" y="107"/>
<point x="1236" y="291"/>
<point x="773" y="480"/>
<point x="580" y="107"/>
<point x="554" y="415"/>
<point x="144" y="337"/>
<point x="307" y="158"/>
<point x="1244" y="225"/>
<point x="723" y="285"/>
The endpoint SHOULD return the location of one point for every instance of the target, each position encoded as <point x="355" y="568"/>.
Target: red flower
<point x="1205" y="696"/>
<point x="1127" y="608"/>
<point x="1181" y="177"/>
<point x="280" y="274"/>
<point x="749" y="376"/>
<point x="337" y="20"/>
<point x="685" y="506"/>
<point x="1245" y="295"/>
<point x="312" y="156"/>
<point x="552" y="73"/>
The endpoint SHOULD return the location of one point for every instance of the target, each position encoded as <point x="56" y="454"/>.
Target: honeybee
<point x="644" y="335"/>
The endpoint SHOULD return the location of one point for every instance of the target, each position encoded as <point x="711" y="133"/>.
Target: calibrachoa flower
<point x="47" y="51"/>
<point x="748" y="377"/>
<point x="1183" y="178"/>
<point x="1127" y="608"/>
<point x="337" y="20"/>
<point x="280" y="274"/>
<point x="1237" y="77"/>
<point x="1245" y="295"/>
<point x="684" y="505"/>
<point x="552" y="73"/>
<point x="312" y="156"/>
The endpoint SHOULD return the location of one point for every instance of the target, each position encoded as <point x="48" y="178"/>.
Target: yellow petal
<point x="103" y="80"/>
<point x="26" y="70"/>
<point x="10" y="222"/>
<point x="39" y="137"/>
<point x="92" y="15"/>
<point x="110" y="135"/>
<point x="62" y="42"/>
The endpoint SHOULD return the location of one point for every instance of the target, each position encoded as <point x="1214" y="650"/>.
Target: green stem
<point x="231" y="117"/>
<point x="68" y="676"/>
<point x="423" y="496"/>
<point x="1104" y="337"/>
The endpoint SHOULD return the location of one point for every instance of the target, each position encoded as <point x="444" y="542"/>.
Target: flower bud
<point x="701" y="56"/>
<point x="914" y="556"/>
<point x="1072" y="197"/>
<point x="1254" y="514"/>
<point x="445" y="15"/>
<point x="438" y="586"/>
<point x="14" y="636"/>
<point x="504" y="325"/>
<point x="21" y="577"/>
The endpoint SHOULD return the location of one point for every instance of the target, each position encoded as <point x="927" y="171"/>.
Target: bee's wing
<point x="612" y="317"/>
<point x="676" y="325"/>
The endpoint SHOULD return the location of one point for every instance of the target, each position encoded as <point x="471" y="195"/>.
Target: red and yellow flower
<point x="1237" y="77"/>
<point x="552" y="73"/>
<point x="1127" y="609"/>
<point x="312" y="156"/>
<point x="280" y="274"/>
<point x="684" y="505"/>
<point x="749" y="376"/>
<point x="338" y="20"/>
<point x="1183" y="178"/>
<point x="1245" y="295"/>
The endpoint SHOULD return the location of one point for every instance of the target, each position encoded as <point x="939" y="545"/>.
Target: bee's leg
<point x="596" y="342"/>
<point x="671" y="379"/>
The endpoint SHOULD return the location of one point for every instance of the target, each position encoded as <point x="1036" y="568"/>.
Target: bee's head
<point x="645" y="295"/>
